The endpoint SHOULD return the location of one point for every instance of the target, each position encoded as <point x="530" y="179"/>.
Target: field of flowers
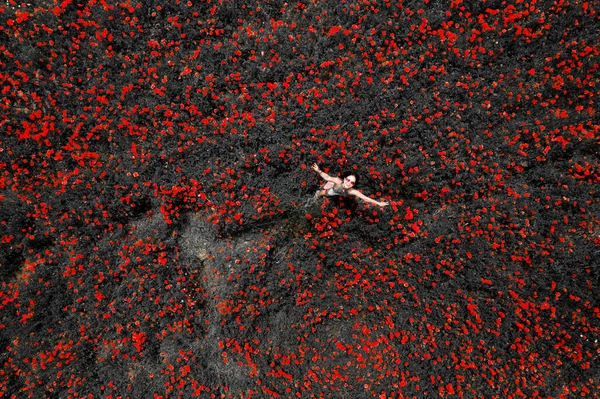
<point x="154" y="175"/>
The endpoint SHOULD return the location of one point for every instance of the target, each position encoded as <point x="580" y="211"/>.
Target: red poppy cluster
<point x="157" y="234"/>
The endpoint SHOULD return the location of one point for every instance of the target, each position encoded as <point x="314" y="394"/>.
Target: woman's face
<point x="349" y="181"/>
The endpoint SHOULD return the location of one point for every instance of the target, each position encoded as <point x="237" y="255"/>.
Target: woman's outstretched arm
<point x="325" y="176"/>
<point x="363" y="197"/>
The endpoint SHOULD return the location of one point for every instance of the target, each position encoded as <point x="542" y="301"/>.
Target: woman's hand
<point x="383" y="203"/>
<point x="315" y="167"/>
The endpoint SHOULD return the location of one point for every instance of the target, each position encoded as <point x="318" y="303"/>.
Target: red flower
<point x="138" y="340"/>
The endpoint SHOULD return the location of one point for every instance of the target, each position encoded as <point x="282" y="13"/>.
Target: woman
<point x="336" y="186"/>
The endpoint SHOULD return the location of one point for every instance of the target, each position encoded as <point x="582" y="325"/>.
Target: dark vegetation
<point x="155" y="162"/>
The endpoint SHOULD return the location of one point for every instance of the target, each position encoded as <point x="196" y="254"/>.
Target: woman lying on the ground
<point x="336" y="186"/>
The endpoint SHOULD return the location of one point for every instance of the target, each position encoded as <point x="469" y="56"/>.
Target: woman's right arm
<point x="325" y="176"/>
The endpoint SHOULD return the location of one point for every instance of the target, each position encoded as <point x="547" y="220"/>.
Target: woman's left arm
<point x="363" y="197"/>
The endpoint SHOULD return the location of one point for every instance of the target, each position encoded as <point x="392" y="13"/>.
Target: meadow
<point x="155" y="171"/>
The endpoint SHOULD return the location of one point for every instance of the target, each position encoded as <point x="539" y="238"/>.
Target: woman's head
<point x="349" y="181"/>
